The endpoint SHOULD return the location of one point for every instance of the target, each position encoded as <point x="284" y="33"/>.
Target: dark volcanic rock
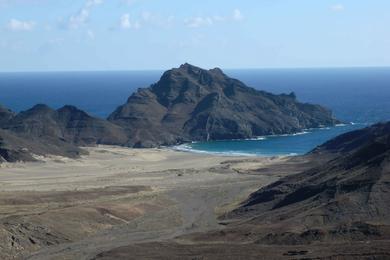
<point x="81" y="129"/>
<point x="5" y="115"/>
<point x="42" y="130"/>
<point x="190" y="103"/>
<point x="68" y="124"/>
<point x="348" y="196"/>
<point x="14" y="147"/>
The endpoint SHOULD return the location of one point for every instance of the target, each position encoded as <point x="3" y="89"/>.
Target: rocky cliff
<point x="191" y="104"/>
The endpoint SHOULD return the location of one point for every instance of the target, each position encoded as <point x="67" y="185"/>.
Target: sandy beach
<point x="64" y="208"/>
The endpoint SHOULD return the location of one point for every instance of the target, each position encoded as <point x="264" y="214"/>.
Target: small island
<point x="187" y="104"/>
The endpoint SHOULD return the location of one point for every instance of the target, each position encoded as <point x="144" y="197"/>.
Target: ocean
<point x="357" y="96"/>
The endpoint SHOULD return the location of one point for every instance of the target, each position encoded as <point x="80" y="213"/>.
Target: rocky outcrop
<point x="43" y="130"/>
<point x="344" y="198"/>
<point x="14" y="147"/>
<point x="192" y="104"/>
<point x="5" y="115"/>
<point x="68" y="124"/>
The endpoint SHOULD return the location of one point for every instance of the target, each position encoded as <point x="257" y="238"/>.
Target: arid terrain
<point x="79" y="208"/>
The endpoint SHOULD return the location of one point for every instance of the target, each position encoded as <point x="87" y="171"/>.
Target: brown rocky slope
<point x="339" y="209"/>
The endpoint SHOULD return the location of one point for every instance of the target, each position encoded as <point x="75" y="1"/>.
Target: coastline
<point x="206" y="147"/>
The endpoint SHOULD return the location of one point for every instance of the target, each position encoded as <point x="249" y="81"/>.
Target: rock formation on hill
<point x="14" y="147"/>
<point x="347" y="197"/>
<point x="192" y="104"/>
<point x="5" y="115"/>
<point x="42" y="130"/>
<point x="68" y="124"/>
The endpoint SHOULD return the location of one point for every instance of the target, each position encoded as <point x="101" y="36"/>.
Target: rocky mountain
<point x="186" y="104"/>
<point x="347" y="197"/>
<point x="14" y="147"/>
<point x="5" y="115"/>
<point x="67" y="123"/>
<point x="43" y="130"/>
<point x="189" y="103"/>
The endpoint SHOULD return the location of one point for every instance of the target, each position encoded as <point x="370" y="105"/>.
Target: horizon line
<point x="226" y="69"/>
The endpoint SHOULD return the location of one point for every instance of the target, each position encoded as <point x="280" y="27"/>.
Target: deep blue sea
<point x="358" y="95"/>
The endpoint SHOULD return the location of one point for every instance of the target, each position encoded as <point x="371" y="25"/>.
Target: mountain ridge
<point x="187" y="104"/>
<point x="42" y="130"/>
<point x="193" y="104"/>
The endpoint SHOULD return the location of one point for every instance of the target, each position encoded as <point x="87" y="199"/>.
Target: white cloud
<point x="237" y="15"/>
<point x="199" y="21"/>
<point x="80" y="18"/>
<point x="125" y="23"/>
<point x="18" y="25"/>
<point x="91" y="3"/>
<point x="337" y="7"/>
<point x="149" y="18"/>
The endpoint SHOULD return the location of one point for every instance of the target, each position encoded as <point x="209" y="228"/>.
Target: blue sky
<point x="43" y="35"/>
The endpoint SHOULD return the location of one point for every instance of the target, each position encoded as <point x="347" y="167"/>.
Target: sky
<point x="80" y="35"/>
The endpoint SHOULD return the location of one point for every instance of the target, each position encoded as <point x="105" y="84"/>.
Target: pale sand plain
<point x="64" y="208"/>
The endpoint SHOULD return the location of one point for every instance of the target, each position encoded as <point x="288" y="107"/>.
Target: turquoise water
<point x="359" y="95"/>
<point x="295" y="144"/>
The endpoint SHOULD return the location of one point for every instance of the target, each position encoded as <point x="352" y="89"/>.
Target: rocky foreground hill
<point x="347" y="197"/>
<point x="187" y="104"/>
<point x="338" y="209"/>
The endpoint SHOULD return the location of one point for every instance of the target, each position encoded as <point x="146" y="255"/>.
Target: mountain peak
<point x="186" y="67"/>
<point x="4" y="109"/>
<point x="5" y="114"/>
<point x="191" y="104"/>
<point x="70" y="109"/>
<point x="39" y="109"/>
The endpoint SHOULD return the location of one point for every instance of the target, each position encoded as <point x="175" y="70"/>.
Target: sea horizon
<point x="224" y="69"/>
<point x="359" y="95"/>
